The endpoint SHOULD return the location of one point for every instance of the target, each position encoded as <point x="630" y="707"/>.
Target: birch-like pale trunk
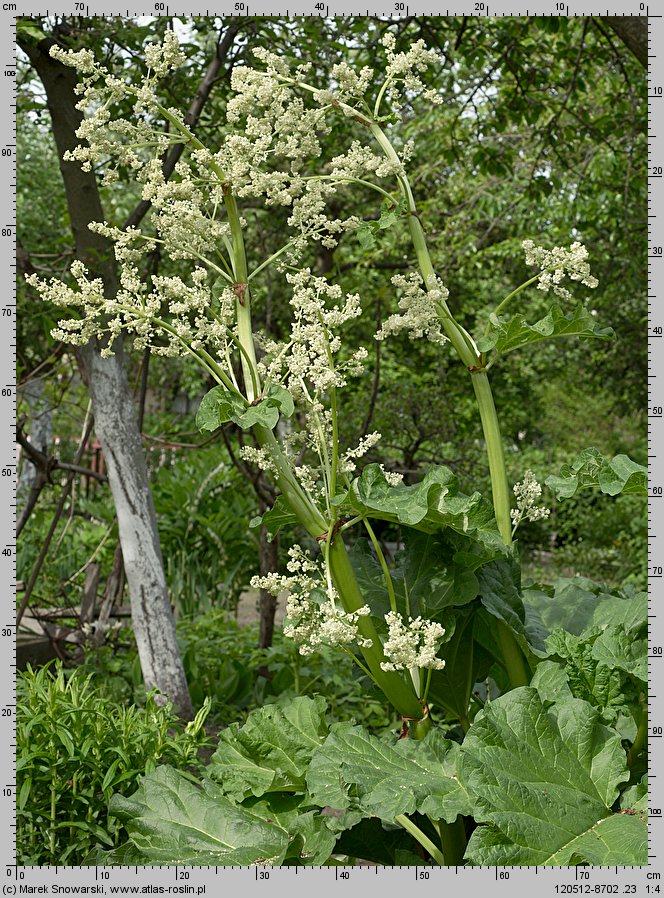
<point x="151" y="614"/>
<point x="114" y="412"/>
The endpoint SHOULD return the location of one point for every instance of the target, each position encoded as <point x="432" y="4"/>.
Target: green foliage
<point x="507" y="335"/>
<point x="543" y="774"/>
<point x="272" y="750"/>
<point x="223" y="664"/>
<point x="544" y="781"/>
<point x="590" y="470"/>
<point x="74" y="750"/>
<point x="221" y="405"/>
<point x="355" y="770"/>
<point x="172" y="821"/>
<point x="540" y="779"/>
<point x="430" y="505"/>
<point x="83" y="532"/>
<point x="204" y="507"/>
<point x="275" y="518"/>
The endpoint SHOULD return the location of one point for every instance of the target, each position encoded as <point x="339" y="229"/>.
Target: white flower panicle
<point x="348" y="460"/>
<point x="419" y="313"/>
<point x="313" y="616"/>
<point x="394" y="478"/>
<point x="412" y="644"/>
<point x="137" y="311"/>
<point x="352" y="84"/>
<point x="527" y="492"/>
<point x="406" y="69"/>
<point x="557" y="263"/>
<point x="277" y="127"/>
<point x="100" y="90"/>
<point x="161" y="58"/>
<point x="310" y="357"/>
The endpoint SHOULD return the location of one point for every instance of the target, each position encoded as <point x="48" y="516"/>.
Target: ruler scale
<point x="501" y="881"/>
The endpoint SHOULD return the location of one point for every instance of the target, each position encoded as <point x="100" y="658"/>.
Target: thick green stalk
<point x="399" y="692"/>
<point x="242" y="300"/>
<point x="452" y="841"/>
<point x="422" y="838"/>
<point x="495" y="454"/>
<point x="513" y="657"/>
<point x="640" y="739"/>
<point x="468" y="354"/>
<point x="417" y="729"/>
<point x="299" y="503"/>
<point x="452" y="835"/>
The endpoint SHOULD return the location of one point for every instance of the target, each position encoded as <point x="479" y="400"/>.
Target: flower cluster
<point x="106" y="136"/>
<point x="413" y="645"/>
<point x="260" y="457"/>
<point x="419" y="308"/>
<point x="557" y="263"/>
<point x="394" y="478"/>
<point x="406" y="68"/>
<point x="350" y="457"/>
<point x="308" y="363"/>
<point x="277" y="126"/>
<point x="161" y="58"/>
<point x="314" y="614"/>
<point x="136" y="310"/>
<point x="527" y="492"/>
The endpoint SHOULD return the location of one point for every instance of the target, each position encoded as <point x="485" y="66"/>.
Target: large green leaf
<point x="221" y="405"/>
<point x="618" y="647"/>
<point x="426" y="576"/>
<point x="355" y="769"/>
<point x="430" y="505"/>
<point x="451" y="687"/>
<point x="601" y="665"/>
<point x="217" y="407"/>
<point x="312" y="839"/>
<point x="636" y="797"/>
<point x="543" y="781"/>
<point x="575" y="603"/>
<point x="513" y="333"/>
<point x="171" y="821"/>
<point x="277" y="517"/>
<point x="500" y="595"/>
<point x="272" y="750"/>
<point x="591" y="470"/>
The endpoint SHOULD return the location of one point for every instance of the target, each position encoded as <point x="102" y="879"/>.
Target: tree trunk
<point x="633" y="32"/>
<point x="113" y="408"/>
<point x="268" y="559"/>
<point x="40" y="435"/>
<point x="152" y="618"/>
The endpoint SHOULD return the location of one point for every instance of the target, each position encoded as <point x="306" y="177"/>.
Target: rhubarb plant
<point x="546" y="765"/>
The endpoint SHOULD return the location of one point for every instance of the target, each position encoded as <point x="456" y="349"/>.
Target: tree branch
<point x="173" y="154"/>
<point x="633" y="32"/>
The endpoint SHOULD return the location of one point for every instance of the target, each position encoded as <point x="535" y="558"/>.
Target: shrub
<point x="76" y="748"/>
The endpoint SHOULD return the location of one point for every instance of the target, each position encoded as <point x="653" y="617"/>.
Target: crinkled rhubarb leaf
<point x="591" y="470"/>
<point x="355" y="769"/>
<point x="575" y="603"/>
<point x="426" y="577"/>
<point x="172" y="821"/>
<point x="221" y="405"/>
<point x="543" y="780"/>
<point x="430" y="505"/>
<point x="513" y="333"/>
<point x="272" y="750"/>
